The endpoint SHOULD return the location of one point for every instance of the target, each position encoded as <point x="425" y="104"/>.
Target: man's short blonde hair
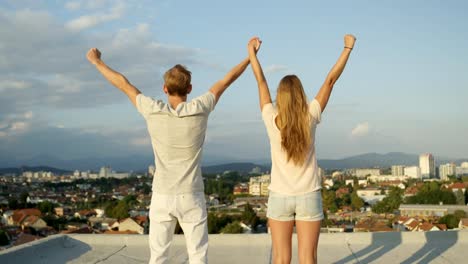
<point x="177" y="80"/>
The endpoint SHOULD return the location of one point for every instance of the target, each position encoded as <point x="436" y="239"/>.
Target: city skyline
<point x="402" y="90"/>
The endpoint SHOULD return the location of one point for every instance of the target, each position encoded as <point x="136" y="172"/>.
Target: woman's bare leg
<point x="281" y="235"/>
<point x="307" y="241"/>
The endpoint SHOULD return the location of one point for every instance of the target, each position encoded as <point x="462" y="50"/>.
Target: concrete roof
<point x="385" y="247"/>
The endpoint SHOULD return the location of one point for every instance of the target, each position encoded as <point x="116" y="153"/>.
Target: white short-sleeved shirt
<point x="177" y="136"/>
<point x="286" y="177"/>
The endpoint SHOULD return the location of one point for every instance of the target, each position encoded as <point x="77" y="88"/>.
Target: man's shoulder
<point x="202" y="104"/>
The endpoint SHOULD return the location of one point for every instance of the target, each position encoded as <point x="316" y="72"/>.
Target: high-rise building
<point x="151" y="170"/>
<point x="464" y="164"/>
<point x="413" y="172"/>
<point x="446" y="170"/>
<point x="105" y="172"/>
<point x="398" y="170"/>
<point x="427" y="165"/>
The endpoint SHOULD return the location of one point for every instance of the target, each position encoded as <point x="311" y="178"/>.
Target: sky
<point x="404" y="89"/>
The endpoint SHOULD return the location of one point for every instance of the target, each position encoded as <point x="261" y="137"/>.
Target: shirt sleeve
<point x="315" y="110"/>
<point x="144" y="104"/>
<point x="206" y="101"/>
<point x="268" y="111"/>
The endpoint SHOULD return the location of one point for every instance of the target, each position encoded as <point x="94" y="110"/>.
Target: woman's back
<point x="287" y="177"/>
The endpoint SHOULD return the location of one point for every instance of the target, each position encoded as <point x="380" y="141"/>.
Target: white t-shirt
<point x="286" y="177"/>
<point x="177" y="136"/>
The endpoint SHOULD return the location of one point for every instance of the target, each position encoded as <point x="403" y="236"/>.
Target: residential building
<point x="429" y="210"/>
<point x="398" y="170"/>
<point x="446" y="170"/>
<point x="129" y="224"/>
<point x="463" y="224"/>
<point x="413" y="172"/>
<point x="462" y="170"/>
<point x="241" y="188"/>
<point x="259" y="185"/>
<point x="360" y="173"/>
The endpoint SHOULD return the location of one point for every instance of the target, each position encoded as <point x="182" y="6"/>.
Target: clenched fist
<point x="93" y="55"/>
<point x="254" y="44"/>
<point x="349" y="40"/>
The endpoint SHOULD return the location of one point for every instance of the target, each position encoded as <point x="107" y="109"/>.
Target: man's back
<point x="177" y="136"/>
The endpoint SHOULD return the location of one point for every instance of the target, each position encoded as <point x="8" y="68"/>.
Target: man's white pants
<point x="190" y="210"/>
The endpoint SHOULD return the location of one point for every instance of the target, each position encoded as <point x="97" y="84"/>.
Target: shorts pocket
<point x="279" y="209"/>
<point x="309" y="207"/>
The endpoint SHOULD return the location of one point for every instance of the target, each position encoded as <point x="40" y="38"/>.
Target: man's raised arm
<point x="220" y="86"/>
<point x="115" y="78"/>
<point x="324" y="93"/>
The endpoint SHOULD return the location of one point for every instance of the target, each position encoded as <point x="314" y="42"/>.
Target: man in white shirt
<point x="177" y="130"/>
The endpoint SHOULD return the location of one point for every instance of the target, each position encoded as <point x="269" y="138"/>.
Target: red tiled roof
<point x="84" y="230"/>
<point x="426" y="226"/>
<point x="464" y="222"/>
<point x="403" y="219"/>
<point x="457" y="185"/>
<point x="30" y="220"/>
<point x="442" y="227"/>
<point x="19" y="215"/>
<point x="413" y="224"/>
<point x="140" y="219"/>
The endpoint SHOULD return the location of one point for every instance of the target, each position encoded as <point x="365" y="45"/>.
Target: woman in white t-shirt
<point x="295" y="197"/>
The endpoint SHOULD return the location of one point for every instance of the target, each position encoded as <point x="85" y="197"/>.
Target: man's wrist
<point x="97" y="62"/>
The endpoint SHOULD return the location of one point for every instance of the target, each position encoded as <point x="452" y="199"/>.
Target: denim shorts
<point x="304" y="207"/>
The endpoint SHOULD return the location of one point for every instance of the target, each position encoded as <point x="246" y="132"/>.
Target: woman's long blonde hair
<point x="293" y="119"/>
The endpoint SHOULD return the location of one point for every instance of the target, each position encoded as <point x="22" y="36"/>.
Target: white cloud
<point x="28" y="115"/>
<point x="274" y="68"/>
<point x="361" y="130"/>
<point x="87" y="21"/>
<point x="13" y="85"/>
<point x="20" y="126"/>
<point x="58" y="75"/>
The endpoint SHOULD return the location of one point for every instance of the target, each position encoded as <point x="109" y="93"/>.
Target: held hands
<point x="93" y="55"/>
<point x="349" y="41"/>
<point x="254" y="45"/>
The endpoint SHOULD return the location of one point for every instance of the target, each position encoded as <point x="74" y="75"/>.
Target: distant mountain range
<point x="140" y="163"/>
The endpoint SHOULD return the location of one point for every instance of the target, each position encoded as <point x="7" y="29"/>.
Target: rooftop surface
<point x="390" y="247"/>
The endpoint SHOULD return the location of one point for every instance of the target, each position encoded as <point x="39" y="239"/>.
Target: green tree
<point x="23" y="200"/>
<point x="459" y="214"/>
<point x="121" y="210"/>
<point x="431" y="193"/>
<point x="460" y="196"/>
<point x="217" y="222"/>
<point x="4" y="241"/>
<point x="390" y="203"/>
<point x="356" y="201"/>
<point x="46" y="207"/>
<point x="146" y="189"/>
<point x="249" y="217"/>
<point x="329" y="201"/>
<point x="13" y="204"/>
<point x="450" y="220"/>
<point x="232" y="228"/>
